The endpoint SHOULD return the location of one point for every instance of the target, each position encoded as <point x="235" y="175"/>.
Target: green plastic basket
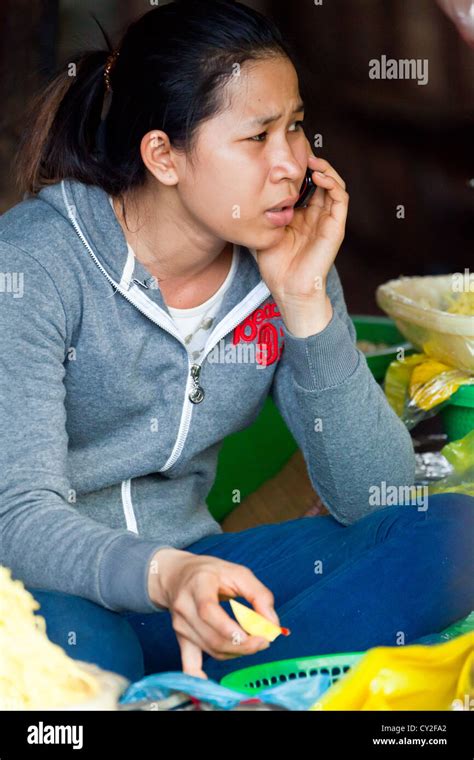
<point x="258" y="677"/>
<point x="457" y="413"/>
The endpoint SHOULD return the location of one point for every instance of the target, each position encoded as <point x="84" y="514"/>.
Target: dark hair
<point x="173" y="62"/>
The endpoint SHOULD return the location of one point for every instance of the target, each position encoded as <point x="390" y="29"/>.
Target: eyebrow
<point x="263" y="120"/>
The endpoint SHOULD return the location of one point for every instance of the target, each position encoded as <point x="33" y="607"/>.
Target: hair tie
<point x="109" y="64"/>
<point x="108" y="68"/>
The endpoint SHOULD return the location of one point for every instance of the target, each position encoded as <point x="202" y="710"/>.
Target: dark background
<point x="393" y="141"/>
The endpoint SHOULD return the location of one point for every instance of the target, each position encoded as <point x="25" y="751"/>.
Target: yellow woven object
<point x="35" y="673"/>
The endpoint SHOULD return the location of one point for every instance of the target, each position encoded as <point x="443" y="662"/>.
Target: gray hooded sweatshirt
<point x="110" y="434"/>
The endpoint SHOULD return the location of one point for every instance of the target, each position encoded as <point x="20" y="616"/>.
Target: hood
<point x="92" y="218"/>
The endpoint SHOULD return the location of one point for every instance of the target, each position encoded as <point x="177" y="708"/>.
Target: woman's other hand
<point x="191" y="587"/>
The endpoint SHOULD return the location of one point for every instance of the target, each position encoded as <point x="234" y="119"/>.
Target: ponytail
<point x="60" y="139"/>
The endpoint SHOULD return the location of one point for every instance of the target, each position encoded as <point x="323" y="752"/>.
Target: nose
<point x="286" y="166"/>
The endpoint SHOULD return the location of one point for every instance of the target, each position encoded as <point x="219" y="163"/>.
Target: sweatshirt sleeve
<point x="350" y="437"/>
<point x="44" y="540"/>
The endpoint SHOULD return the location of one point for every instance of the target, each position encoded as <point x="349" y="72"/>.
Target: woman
<point x="155" y="302"/>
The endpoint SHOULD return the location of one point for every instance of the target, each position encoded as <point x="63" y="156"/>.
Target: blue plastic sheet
<point x="293" y="695"/>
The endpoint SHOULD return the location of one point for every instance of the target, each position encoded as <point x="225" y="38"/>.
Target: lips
<point x="284" y="204"/>
<point x="280" y="218"/>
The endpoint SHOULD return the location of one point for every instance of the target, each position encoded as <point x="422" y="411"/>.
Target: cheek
<point x="303" y="150"/>
<point x="214" y="201"/>
<point x="201" y="194"/>
<point x="227" y="189"/>
<point x="233" y="194"/>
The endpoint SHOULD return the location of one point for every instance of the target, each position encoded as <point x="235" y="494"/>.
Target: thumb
<point x="268" y="612"/>
<point x="191" y="658"/>
<point x="258" y="595"/>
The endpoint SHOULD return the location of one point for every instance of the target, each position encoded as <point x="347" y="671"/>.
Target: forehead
<point x="261" y="88"/>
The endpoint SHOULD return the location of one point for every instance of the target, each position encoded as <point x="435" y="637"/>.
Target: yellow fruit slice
<point x="255" y="624"/>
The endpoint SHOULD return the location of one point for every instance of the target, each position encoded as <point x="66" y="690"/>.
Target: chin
<point x="260" y="240"/>
<point x="271" y="238"/>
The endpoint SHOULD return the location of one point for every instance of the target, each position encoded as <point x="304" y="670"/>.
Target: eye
<point x="255" y="137"/>
<point x="299" y="126"/>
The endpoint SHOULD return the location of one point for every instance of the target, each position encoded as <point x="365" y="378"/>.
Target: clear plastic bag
<point x="424" y="310"/>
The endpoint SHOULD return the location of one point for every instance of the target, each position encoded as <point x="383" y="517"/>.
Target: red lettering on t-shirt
<point x="257" y="326"/>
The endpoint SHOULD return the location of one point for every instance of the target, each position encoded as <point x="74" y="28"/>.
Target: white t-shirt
<point x="195" y="324"/>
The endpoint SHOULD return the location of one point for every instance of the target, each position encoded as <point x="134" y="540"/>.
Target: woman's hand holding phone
<point x="296" y="268"/>
<point x="191" y="587"/>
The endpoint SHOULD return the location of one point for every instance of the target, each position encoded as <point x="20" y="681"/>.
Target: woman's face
<point x="242" y="168"/>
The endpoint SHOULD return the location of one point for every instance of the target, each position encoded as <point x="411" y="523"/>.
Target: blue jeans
<point x="391" y="578"/>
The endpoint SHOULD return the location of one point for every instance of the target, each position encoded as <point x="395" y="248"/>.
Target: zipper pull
<point x="143" y="284"/>
<point x="197" y="393"/>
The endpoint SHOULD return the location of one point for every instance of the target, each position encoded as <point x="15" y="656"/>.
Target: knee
<point x="457" y="507"/>
<point x="446" y="519"/>
<point x="89" y="632"/>
<point x="456" y="512"/>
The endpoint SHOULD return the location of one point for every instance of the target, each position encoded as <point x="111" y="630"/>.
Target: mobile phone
<point x="306" y="191"/>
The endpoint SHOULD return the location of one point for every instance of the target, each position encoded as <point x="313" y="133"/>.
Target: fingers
<point x="200" y="618"/>
<point x="330" y="195"/>
<point x="235" y="580"/>
<point x="320" y="164"/>
<point x="191" y="658"/>
<point x="202" y="624"/>
<point x="257" y="594"/>
<point x="221" y="647"/>
<point x="206" y="623"/>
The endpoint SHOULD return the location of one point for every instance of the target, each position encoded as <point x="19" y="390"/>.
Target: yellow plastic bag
<point x="413" y="677"/>
<point x="460" y="454"/>
<point x="432" y="382"/>
<point x="417" y="384"/>
<point x="397" y="380"/>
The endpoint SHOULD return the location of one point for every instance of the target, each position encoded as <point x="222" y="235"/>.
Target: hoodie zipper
<point x="194" y="391"/>
<point x="197" y="393"/>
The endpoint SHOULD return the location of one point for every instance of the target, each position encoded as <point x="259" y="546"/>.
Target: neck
<point x="165" y="241"/>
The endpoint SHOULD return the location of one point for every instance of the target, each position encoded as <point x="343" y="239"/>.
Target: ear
<point x="155" y="150"/>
